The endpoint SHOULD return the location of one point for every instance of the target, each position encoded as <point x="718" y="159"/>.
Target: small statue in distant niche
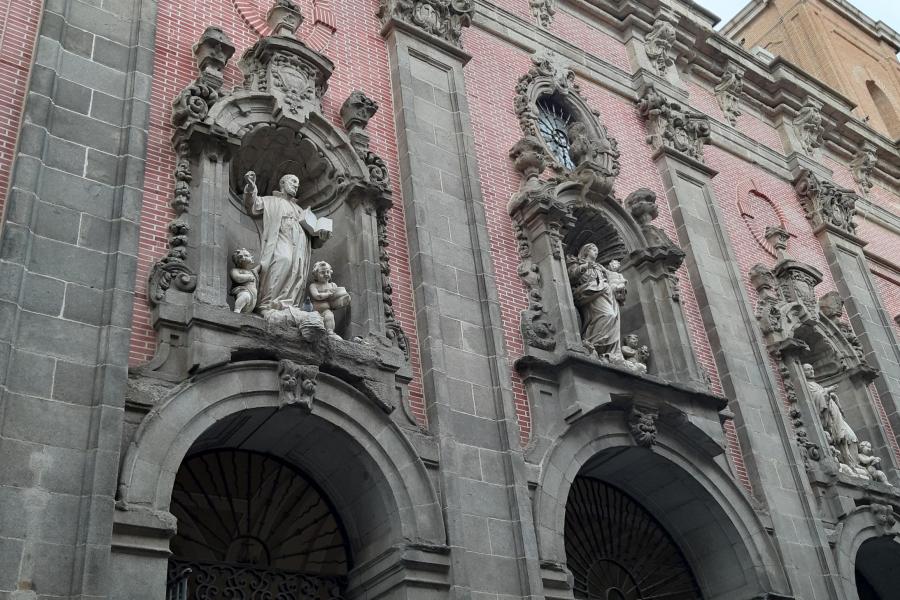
<point x="832" y="417"/>
<point x="596" y="291"/>
<point x="327" y="296"/>
<point x="246" y="281"/>
<point x="635" y="354"/>
<point x="870" y="462"/>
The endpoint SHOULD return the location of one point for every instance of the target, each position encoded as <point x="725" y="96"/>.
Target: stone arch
<point x="874" y="527"/>
<point x="692" y="494"/>
<point x="601" y="220"/>
<point x="383" y="494"/>
<point x="885" y="107"/>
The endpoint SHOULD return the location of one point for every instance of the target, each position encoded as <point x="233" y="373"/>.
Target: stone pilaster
<point x="67" y="263"/>
<point x="466" y="378"/>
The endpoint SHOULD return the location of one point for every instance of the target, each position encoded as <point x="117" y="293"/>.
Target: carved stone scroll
<point x="443" y="19"/>
<point x="862" y="165"/>
<point x="825" y="203"/>
<point x="729" y="90"/>
<point x="670" y="126"/>
<point x="658" y="45"/>
<point x="808" y="125"/>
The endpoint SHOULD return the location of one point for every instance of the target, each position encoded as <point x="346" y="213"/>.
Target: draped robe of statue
<point x="595" y="298"/>
<point x="842" y="435"/>
<point x="288" y="237"/>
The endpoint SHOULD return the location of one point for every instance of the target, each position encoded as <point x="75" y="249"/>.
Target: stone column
<point x="465" y="375"/>
<point x="67" y="262"/>
<point x="831" y="210"/>
<point x="772" y="459"/>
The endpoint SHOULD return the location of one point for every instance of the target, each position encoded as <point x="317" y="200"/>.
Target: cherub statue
<point x="246" y="281"/>
<point x="635" y="354"/>
<point x="871" y="462"/>
<point x="326" y="296"/>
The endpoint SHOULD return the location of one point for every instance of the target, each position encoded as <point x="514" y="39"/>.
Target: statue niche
<point x="261" y="171"/>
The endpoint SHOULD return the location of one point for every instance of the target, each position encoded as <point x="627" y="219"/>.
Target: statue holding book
<point x="289" y="234"/>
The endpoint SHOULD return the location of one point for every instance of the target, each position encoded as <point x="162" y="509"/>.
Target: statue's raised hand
<point x="250" y="185"/>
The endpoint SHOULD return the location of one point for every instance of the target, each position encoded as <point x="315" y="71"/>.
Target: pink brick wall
<point x="748" y="123"/>
<point x="19" y="20"/>
<point x="360" y="58"/>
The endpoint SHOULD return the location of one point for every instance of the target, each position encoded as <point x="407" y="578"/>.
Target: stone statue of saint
<point x="596" y="292"/>
<point x="832" y="416"/>
<point x="289" y="234"/>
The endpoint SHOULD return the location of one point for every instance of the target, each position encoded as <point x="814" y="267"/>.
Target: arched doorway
<point x="617" y="550"/>
<point x="253" y="522"/>
<point x="878" y="569"/>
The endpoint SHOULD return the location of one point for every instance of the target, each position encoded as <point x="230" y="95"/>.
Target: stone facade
<point x="591" y="266"/>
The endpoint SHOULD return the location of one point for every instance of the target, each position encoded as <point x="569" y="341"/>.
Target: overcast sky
<point x="880" y="10"/>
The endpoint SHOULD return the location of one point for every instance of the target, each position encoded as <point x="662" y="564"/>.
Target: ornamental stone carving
<point x="884" y="518"/>
<point x="211" y="55"/>
<point x="862" y="165"/>
<point x="670" y="126"/>
<point x="543" y="11"/>
<point x="596" y="160"/>
<point x="825" y="203"/>
<point x="284" y="18"/>
<point x="642" y="424"/>
<point x="297" y="384"/>
<point x="641" y="204"/>
<point x="728" y="92"/>
<point x="831" y="307"/>
<point x="356" y="112"/>
<point x="658" y="45"/>
<point x="443" y="19"/>
<point x="808" y="125"/>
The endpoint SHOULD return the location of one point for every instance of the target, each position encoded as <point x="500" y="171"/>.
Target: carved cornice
<point x="670" y="126"/>
<point x="443" y="19"/>
<point x="825" y="203"/>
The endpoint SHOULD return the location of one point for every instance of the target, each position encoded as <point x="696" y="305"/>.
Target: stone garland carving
<point x="831" y="307"/>
<point x="642" y="205"/>
<point x="808" y="449"/>
<point x="658" y="44"/>
<point x="728" y="92"/>
<point x="530" y="159"/>
<point x="862" y="165"/>
<point x="808" y="125"/>
<point x="670" y="126"/>
<point x="441" y="18"/>
<point x="642" y="425"/>
<point x="192" y="104"/>
<point x="356" y="111"/>
<point x="826" y="203"/>
<point x="393" y="330"/>
<point x="543" y="11"/>
<point x="297" y="384"/>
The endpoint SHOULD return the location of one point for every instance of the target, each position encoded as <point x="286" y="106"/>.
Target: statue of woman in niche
<point x="832" y="416"/>
<point x="595" y="291"/>
<point x="289" y="234"/>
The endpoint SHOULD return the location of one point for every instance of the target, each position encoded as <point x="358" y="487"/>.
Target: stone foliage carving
<point x="831" y="307"/>
<point x="297" y="384"/>
<point x="444" y="19"/>
<point x="211" y="55"/>
<point x="642" y="425"/>
<point x="172" y="270"/>
<point x="641" y="203"/>
<point x="808" y="449"/>
<point x="246" y="281"/>
<point x="596" y="160"/>
<point x="808" y="125"/>
<point x="393" y="329"/>
<point x="658" y="45"/>
<point x="356" y="112"/>
<point x="728" y="92"/>
<point x="543" y="11"/>
<point x="598" y="292"/>
<point x="670" y="126"/>
<point x="327" y="296"/>
<point x="862" y="165"/>
<point x="825" y="203"/>
<point x="530" y="159"/>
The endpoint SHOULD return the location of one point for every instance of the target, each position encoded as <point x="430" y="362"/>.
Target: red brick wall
<point x="19" y="20"/>
<point x="748" y="123"/>
<point x="361" y="62"/>
<point x="574" y="29"/>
